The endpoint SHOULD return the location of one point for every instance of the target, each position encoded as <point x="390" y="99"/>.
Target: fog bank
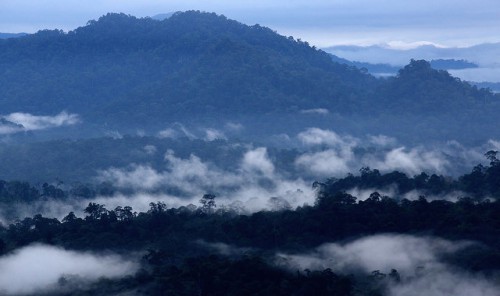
<point x="40" y="268"/>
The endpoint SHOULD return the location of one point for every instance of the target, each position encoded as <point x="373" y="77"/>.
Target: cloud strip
<point x="254" y="182"/>
<point x="38" y="268"/>
<point x="418" y="260"/>
<point x="19" y="122"/>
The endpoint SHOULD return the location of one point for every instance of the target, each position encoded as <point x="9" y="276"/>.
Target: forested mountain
<point x="424" y="90"/>
<point x="125" y="73"/>
<point x="435" y="105"/>
<point x="189" y="64"/>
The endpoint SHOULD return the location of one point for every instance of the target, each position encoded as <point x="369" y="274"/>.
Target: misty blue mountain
<point x="494" y="86"/>
<point x="124" y="73"/>
<point x="481" y="54"/>
<point x="387" y="69"/>
<point x="11" y="35"/>
<point x="477" y="64"/>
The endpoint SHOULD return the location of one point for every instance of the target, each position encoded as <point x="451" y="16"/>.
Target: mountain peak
<point x="416" y="66"/>
<point x="111" y="18"/>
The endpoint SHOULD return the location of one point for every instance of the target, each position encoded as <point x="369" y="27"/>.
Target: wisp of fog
<point x="418" y="260"/>
<point x="41" y="267"/>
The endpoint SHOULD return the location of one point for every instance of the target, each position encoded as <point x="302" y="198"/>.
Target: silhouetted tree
<point x="208" y="203"/>
<point x="95" y="211"/>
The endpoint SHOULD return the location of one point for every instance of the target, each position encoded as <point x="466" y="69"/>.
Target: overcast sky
<point x="320" y="22"/>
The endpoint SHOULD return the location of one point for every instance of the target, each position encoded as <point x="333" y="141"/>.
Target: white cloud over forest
<point x="19" y="122"/>
<point x="39" y="268"/>
<point x="418" y="260"/>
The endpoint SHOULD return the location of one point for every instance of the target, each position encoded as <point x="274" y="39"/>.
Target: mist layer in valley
<point x="179" y="166"/>
<point x="404" y="264"/>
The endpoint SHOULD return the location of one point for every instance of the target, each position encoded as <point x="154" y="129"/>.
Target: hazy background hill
<point x="386" y="69"/>
<point x="11" y="35"/>
<point x="479" y="64"/>
<point x="120" y="73"/>
<point x="484" y="54"/>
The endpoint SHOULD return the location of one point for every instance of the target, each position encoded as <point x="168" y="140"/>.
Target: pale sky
<point x="320" y="22"/>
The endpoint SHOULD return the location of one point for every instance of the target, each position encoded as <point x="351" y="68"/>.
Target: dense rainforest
<point x="218" y="250"/>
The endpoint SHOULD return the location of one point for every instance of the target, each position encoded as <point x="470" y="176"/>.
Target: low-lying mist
<point x="23" y="122"/>
<point x="418" y="262"/>
<point x="262" y="179"/>
<point x="41" y="268"/>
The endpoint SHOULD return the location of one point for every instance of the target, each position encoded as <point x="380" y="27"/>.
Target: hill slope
<point x="189" y="63"/>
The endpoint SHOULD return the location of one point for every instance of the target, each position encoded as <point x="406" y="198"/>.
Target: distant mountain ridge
<point x="11" y="35"/>
<point x="126" y="73"/>
<point x="162" y="16"/>
<point x="480" y="54"/>
<point x="383" y="68"/>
